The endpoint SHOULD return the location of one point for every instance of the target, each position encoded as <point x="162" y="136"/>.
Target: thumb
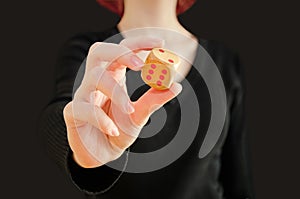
<point x="151" y="101"/>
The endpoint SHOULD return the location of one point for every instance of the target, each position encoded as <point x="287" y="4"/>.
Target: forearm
<point x="53" y="131"/>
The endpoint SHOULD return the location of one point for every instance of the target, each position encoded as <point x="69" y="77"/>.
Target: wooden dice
<point x="160" y="68"/>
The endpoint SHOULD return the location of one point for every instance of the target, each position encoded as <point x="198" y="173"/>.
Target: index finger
<point x="109" y="52"/>
<point x="137" y="44"/>
<point x="142" y="43"/>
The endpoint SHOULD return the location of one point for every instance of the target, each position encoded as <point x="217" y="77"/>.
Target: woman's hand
<point x="101" y="120"/>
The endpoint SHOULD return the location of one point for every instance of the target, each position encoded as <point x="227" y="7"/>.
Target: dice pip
<point x="160" y="68"/>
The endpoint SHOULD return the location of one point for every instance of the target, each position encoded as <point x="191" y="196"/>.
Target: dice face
<point x="159" y="69"/>
<point x="163" y="56"/>
<point x="157" y="76"/>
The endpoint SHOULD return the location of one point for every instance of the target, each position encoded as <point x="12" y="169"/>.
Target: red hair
<point x="117" y="6"/>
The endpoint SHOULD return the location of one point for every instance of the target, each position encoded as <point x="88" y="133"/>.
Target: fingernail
<point x="130" y="108"/>
<point x="137" y="61"/>
<point x="115" y="132"/>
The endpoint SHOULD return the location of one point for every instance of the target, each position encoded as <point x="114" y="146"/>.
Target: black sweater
<point x="224" y="173"/>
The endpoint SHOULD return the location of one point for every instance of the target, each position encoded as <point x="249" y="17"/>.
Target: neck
<point x="150" y="13"/>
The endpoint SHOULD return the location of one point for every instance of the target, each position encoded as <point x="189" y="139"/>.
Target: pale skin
<point x="94" y="102"/>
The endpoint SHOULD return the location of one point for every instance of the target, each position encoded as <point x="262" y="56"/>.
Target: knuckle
<point x="67" y="111"/>
<point x="94" y="46"/>
<point x="96" y="74"/>
<point x="97" y="70"/>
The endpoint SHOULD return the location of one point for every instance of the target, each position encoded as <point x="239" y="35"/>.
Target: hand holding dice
<point x="101" y="120"/>
<point x="160" y="68"/>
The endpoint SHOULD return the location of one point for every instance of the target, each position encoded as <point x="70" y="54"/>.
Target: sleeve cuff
<point x="93" y="181"/>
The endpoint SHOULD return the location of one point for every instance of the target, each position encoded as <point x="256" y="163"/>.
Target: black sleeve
<point x="236" y="169"/>
<point x="52" y="126"/>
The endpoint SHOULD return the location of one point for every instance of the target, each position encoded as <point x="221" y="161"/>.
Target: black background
<point x="263" y="32"/>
